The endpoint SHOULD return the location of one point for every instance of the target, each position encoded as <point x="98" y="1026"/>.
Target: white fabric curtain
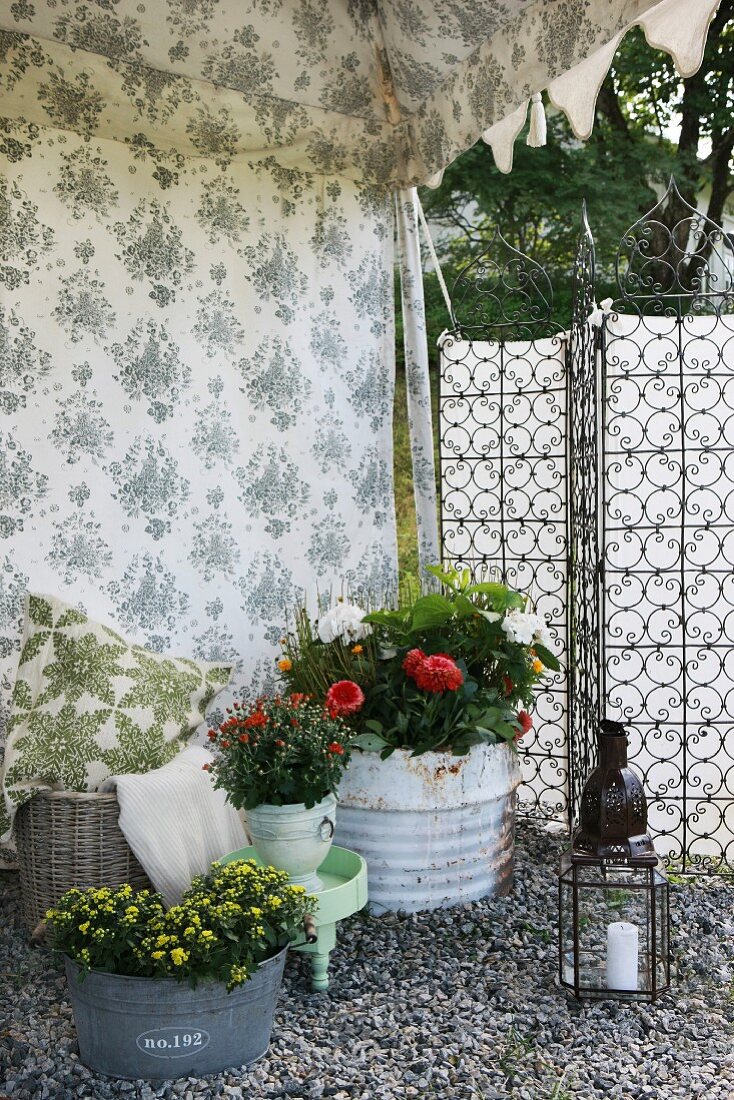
<point x="417" y="376"/>
<point x="196" y="373"/>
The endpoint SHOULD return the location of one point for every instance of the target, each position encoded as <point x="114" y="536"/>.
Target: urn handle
<point x="326" y="829"/>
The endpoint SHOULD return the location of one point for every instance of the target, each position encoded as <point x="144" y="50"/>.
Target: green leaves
<point x="370" y="742"/>
<point x="430" y="611"/>
<point x="549" y="659"/>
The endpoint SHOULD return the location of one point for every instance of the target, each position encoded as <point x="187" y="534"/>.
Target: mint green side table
<point x="344" y="875"/>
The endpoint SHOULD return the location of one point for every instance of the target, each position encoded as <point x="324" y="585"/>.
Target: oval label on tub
<point x="172" y="1042"/>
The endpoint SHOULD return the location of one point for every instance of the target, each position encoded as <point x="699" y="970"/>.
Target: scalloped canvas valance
<point x="382" y="92"/>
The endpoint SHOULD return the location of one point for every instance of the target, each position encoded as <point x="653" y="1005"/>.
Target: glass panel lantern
<point x="614" y="917"/>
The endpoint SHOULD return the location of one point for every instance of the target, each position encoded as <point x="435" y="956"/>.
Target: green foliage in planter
<point x="228" y="922"/>
<point x="444" y="671"/>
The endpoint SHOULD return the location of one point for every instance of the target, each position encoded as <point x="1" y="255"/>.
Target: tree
<point x="649" y="124"/>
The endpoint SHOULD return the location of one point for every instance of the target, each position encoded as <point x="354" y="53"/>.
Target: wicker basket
<point x="67" y="839"/>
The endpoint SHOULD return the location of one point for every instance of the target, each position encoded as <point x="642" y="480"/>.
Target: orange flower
<point x="538" y="665"/>
<point x="212" y="735"/>
<point x="206" y="767"/>
<point x="226" y="744"/>
<point x="244" y="738"/>
<point x="285" y="665"/>
<point x="357" y="649"/>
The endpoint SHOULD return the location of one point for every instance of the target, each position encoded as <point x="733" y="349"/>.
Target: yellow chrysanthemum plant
<point x="228" y="922"/>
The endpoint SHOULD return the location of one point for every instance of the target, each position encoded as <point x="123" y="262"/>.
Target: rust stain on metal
<point x="433" y="776"/>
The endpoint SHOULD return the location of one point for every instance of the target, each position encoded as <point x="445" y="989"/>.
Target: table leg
<point x="319" y="970"/>
<point x="319" y="955"/>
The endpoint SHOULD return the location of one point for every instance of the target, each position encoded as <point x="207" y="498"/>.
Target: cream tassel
<point x="538" y="131"/>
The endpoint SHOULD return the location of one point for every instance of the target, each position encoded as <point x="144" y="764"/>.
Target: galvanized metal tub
<point x="436" y="830"/>
<point x="159" y="1029"/>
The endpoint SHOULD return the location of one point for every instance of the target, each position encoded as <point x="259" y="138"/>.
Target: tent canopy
<point x="382" y="91"/>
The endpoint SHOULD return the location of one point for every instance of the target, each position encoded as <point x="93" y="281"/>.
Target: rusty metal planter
<point x="436" y="830"/>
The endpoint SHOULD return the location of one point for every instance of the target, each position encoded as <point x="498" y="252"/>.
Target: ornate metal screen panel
<point x="597" y="473"/>
<point x="668" y="512"/>
<point x="584" y="526"/>
<point x="503" y="465"/>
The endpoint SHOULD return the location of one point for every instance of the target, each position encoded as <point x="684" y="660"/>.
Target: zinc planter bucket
<point x="436" y="830"/>
<point x="159" y="1029"/>
<point x="294" y="839"/>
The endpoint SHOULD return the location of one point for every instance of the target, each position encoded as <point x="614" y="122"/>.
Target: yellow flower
<point x="84" y="927"/>
<point x="179" y="956"/>
<point x="238" y="974"/>
<point x="285" y="665"/>
<point x="157" y="954"/>
<point x="537" y="665"/>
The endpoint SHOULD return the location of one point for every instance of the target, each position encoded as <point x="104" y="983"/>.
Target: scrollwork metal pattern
<point x="668" y="507"/>
<point x="503" y="466"/>
<point x="502" y="294"/>
<point x="597" y="473"/>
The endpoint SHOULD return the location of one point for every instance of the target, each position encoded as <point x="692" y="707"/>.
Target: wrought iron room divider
<point x="594" y="469"/>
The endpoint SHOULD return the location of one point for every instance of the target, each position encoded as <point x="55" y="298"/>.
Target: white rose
<point x="344" y="621"/>
<point x="521" y="626"/>
<point x="543" y="636"/>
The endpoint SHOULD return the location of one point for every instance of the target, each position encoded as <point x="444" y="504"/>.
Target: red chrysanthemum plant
<point x="280" y="751"/>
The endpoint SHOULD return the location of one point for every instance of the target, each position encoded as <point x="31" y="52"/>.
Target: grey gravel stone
<point x="455" y="1005"/>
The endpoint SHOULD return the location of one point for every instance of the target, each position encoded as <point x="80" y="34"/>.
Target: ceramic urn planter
<point x="293" y="838"/>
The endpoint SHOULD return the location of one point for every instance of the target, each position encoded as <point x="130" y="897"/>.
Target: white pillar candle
<point x="622" y="955"/>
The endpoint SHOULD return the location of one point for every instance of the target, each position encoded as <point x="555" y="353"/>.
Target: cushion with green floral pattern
<point x="87" y="704"/>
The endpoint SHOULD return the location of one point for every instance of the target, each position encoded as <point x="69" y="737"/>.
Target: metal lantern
<point x="614" y="913"/>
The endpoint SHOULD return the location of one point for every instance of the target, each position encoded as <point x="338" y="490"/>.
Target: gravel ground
<point x="459" y="1004"/>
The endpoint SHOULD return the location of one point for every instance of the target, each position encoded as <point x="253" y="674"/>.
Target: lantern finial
<point x="613" y="825"/>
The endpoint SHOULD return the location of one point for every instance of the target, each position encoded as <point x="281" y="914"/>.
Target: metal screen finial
<point x="675" y="252"/>
<point x="502" y="294"/>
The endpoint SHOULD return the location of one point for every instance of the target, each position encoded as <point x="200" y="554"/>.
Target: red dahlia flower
<point x="438" y="674"/>
<point x="336" y="748"/>
<point x="344" y="698"/>
<point x="414" y="658"/>
<point x="525" y="723"/>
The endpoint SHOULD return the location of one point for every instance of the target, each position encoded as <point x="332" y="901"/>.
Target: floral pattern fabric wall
<point x="196" y="379"/>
